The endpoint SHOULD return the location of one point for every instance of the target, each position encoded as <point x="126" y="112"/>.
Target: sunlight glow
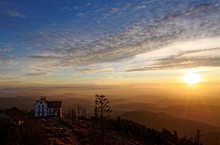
<point x="192" y="78"/>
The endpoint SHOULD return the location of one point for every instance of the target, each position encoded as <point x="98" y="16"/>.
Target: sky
<point x="122" y="48"/>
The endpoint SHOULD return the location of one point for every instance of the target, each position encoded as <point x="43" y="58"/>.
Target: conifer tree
<point x="102" y="110"/>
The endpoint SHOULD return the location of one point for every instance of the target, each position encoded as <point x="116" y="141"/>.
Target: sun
<point x="192" y="78"/>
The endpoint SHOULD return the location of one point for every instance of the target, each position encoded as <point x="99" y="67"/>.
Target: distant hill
<point x="163" y="120"/>
<point x="199" y="112"/>
<point x="129" y="106"/>
<point x="188" y="100"/>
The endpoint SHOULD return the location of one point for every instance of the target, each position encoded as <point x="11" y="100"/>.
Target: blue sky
<point x="88" y="41"/>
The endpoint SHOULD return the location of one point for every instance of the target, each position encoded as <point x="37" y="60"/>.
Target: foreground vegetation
<point x="149" y="136"/>
<point x="99" y="129"/>
<point x="31" y="132"/>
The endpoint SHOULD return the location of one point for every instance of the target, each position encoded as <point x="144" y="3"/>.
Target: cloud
<point x="197" y="8"/>
<point x="7" y="77"/>
<point x="124" y="31"/>
<point x="5" y="50"/>
<point x="184" y="59"/>
<point x="4" y="58"/>
<point x="93" y="70"/>
<point x="15" y="13"/>
<point x="44" y="61"/>
<point x="114" y="10"/>
<point x="179" y="64"/>
<point x="38" y="72"/>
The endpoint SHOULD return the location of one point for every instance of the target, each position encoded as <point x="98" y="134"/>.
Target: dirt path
<point x="76" y="139"/>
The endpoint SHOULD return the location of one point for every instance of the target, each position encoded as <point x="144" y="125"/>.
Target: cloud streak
<point x="95" y="70"/>
<point x="183" y="57"/>
<point x="15" y="13"/>
<point x="117" y="33"/>
<point x="138" y="35"/>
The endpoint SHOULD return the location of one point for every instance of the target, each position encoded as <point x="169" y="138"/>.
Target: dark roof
<point x="14" y="113"/>
<point x="43" y="98"/>
<point x="51" y="104"/>
<point x="54" y="104"/>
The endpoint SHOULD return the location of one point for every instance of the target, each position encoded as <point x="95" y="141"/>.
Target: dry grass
<point x="57" y="137"/>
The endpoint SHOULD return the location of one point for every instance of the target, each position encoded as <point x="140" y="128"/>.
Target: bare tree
<point x="102" y="110"/>
<point x="198" y="137"/>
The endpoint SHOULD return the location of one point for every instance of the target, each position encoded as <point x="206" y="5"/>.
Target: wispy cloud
<point x="138" y="35"/>
<point x="37" y="74"/>
<point x="166" y="64"/>
<point x="7" y="77"/>
<point x="35" y="69"/>
<point x="184" y="58"/>
<point x="5" y="50"/>
<point x="4" y="58"/>
<point x="15" y="13"/>
<point x="118" y="34"/>
<point x="94" y="70"/>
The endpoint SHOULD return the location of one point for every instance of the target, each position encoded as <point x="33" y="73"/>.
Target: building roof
<point x="51" y="104"/>
<point x="43" y="98"/>
<point x="54" y="104"/>
<point x="15" y="113"/>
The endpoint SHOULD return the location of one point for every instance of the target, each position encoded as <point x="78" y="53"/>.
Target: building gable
<point x="45" y="108"/>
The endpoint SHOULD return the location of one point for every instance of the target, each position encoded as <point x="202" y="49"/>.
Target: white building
<point x="44" y="108"/>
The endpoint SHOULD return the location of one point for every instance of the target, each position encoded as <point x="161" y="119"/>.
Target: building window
<point x="38" y="106"/>
<point x="42" y="105"/>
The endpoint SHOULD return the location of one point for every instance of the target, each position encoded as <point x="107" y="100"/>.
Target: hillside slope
<point x="199" y="112"/>
<point x="182" y="126"/>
